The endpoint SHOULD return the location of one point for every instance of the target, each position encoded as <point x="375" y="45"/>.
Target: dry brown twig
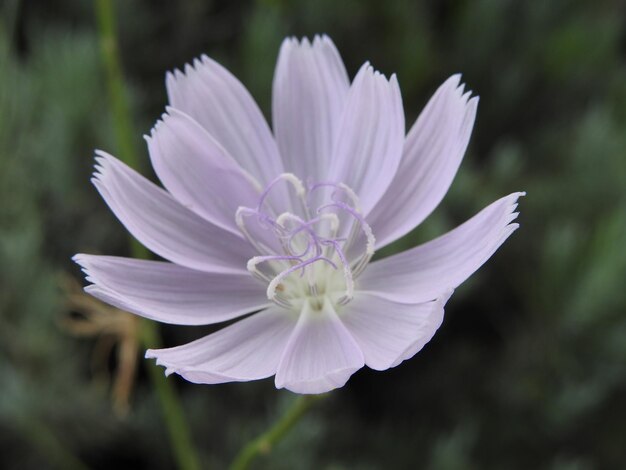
<point x="112" y="327"/>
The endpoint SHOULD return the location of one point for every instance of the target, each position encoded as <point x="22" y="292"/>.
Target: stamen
<point x="287" y="240"/>
<point x="347" y="274"/>
<point x="271" y="288"/>
<point x="295" y="183"/>
<point x="255" y="261"/>
<point x="365" y="228"/>
<point x="334" y="228"/>
<point x="353" y="197"/>
<point x="295" y="242"/>
<point x="263" y="221"/>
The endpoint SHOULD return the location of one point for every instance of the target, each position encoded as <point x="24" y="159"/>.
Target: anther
<point x="291" y="179"/>
<point x="240" y="221"/>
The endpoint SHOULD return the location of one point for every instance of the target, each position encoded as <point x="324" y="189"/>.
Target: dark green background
<point x="529" y="368"/>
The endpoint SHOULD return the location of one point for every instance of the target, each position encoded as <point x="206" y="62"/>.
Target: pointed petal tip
<point x="366" y="65"/>
<point x="512" y="217"/>
<point x="91" y="288"/>
<point x="453" y="80"/>
<point x="364" y="71"/>
<point x="509" y="212"/>
<point x="290" y="43"/>
<point x="81" y="259"/>
<point x="100" y="168"/>
<point x="100" y="162"/>
<point x="165" y="118"/>
<point x="455" y="83"/>
<point x="188" y="68"/>
<point x="512" y="199"/>
<point x="322" y="40"/>
<point x="171" y="112"/>
<point x="367" y="69"/>
<point x="472" y="103"/>
<point x="98" y="172"/>
<point x="170" y="77"/>
<point x="178" y="74"/>
<point x="101" y="153"/>
<point x="104" y="160"/>
<point x="99" y="165"/>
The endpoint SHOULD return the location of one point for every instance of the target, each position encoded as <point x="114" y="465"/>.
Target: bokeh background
<point x="529" y="367"/>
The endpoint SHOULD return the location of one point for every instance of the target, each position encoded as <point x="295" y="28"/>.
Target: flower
<point x="283" y="225"/>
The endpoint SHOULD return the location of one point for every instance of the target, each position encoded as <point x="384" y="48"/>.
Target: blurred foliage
<point x="528" y="370"/>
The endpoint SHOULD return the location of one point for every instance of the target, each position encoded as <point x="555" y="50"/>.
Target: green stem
<point x="115" y="81"/>
<point x="177" y="427"/>
<point x="264" y="443"/>
<point x="120" y="108"/>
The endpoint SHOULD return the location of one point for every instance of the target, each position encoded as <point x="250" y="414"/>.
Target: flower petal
<point x="422" y="273"/>
<point x="320" y="356"/>
<point x="433" y="151"/>
<point x="249" y="349"/>
<point x="198" y="172"/>
<point x="368" y="151"/>
<point x="386" y="331"/>
<point x="309" y="93"/>
<point x="221" y="104"/>
<point x="170" y="293"/>
<point x="163" y="225"/>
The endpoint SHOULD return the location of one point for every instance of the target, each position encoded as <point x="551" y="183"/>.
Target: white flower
<point x="285" y="224"/>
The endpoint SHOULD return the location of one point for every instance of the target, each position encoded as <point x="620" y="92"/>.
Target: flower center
<point x="313" y="241"/>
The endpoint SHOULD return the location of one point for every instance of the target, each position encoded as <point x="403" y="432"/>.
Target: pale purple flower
<point x="285" y="224"/>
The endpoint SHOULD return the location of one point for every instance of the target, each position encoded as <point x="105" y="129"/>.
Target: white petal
<point x="220" y="103"/>
<point x="163" y="225"/>
<point x="432" y="154"/>
<point x="369" y="146"/>
<point x="309" y="92"/>
<point x="422" y="273"/>
<point x="198" y="172"/>
<point x="249" y="349"/>
<point x="170" y="293"/>
<point x="386" y="331"/>
<point x="320" y="356"/>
